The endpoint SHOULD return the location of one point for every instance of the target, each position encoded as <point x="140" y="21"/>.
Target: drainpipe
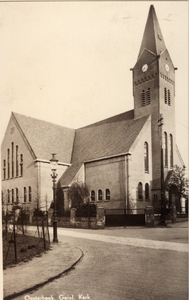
<point x="127" y="175"/>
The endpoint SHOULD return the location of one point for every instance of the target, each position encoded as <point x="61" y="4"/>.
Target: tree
<point x="178" y="184"/>
<point x="78" y="192"/>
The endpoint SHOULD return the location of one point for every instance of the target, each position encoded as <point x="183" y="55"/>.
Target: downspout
<point x="127" y="175"/>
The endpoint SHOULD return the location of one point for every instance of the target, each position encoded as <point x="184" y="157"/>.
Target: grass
<point x="27" y="247"/>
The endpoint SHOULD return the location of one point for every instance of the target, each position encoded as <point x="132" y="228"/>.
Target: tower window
<point x="143" y="98"/>
<point x="146" y="191"/>
<point x="169" y="98"/>
<point x="165" y="150"/>
<point x="165" y="95"/>
<point x="100" y="195"/>
<point x="140" y="191"/>
<point x="146" y="158"/>
<point x="92" y="195"/>
<point x="148" y="96"/>
<point x="107" y="194"/>
<point x="171" y="149"/>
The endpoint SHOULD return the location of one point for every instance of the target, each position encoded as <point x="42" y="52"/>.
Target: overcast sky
<point x="69" y="62"/>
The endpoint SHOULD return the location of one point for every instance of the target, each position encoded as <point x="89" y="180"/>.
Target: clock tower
<point x="154" y="94"/>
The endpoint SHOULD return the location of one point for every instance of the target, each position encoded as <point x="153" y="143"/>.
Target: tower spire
<point x="152" y="39"/>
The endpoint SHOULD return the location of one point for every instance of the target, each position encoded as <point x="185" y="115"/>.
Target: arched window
<point x="169" y="98"/>
<point x="8" y="196"/>
<point x="146" y="158"/>
<point x="165" y="95"/>
<point x="8" y="157"/>
<point x="100" y="195"/>
<point x="4" y="169"/>
<point x="165" y="150"/>
<point x="107" y="194"/>
<point x="171" y="149"/>
<point x="21" y="164"/>
<point x="17" y="195"/>
<point x="12" y="160"/>
<point x="30" y="194"/>
<point x="148" y="96"/>
<point x="92" y="195"/>
<point x="25" y="195"/>
<point x="12" y="196"/>
<point x="16" y="161"/>
<point x="143" y="98"/>
<point x="140" y="197"/>
<point x="146" y="191"/>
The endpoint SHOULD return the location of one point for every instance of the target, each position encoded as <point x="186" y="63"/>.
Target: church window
<point x="8" y="196"/>
<point x="165" y="150"/>
<point x="146" y="191"/>
<point x="30" y="194"/>
<point x="16" y="161"/>
<point x="165" y="95"/>
<point x="8" y="155"/>
<point x="12" y="160"/>
<point x="17" y="194"/>
<point x="107" y="194"/>
<point x="4" y="169"/>
<point x="92" y="195"/>
<point x="146" y="164"/>
<point x="169" y="98"/>
<point x="100" y="195"/>
<point x="21" y="164"/>
<point x="12" y="196"/>
<point x="25" y="195"/>
<point x="148" y="96"/>
<point x="171" y="149"/>
<point x="143" y="98"/>
<point x="140" y="191"/>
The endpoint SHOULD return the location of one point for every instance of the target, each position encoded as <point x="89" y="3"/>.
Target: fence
<point x="125" y="217"/>
<point x="18" y="245"/>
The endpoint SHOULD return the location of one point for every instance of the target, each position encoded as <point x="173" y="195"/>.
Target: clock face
<point x="144" y="68"/>
<point x="167" y="67"/>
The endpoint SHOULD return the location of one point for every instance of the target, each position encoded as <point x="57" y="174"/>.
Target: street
<point x="113" y="269"/>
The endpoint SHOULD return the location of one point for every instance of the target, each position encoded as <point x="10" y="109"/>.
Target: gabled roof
<point x="45" y="138"/>
<point x="111" y="137"/>
<point x="152" y="39"/>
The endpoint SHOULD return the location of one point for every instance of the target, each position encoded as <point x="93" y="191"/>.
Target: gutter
<point x="48" y="162"/>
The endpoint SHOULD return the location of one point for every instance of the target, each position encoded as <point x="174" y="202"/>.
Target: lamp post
<point x="54" y="162"/>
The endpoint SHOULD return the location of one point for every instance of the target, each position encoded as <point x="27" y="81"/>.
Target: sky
<point x="69" y="62"/>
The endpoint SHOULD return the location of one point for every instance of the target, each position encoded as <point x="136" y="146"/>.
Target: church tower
<point x="154" y="94"/>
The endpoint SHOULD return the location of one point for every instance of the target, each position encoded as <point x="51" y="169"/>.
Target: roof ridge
<point x="25" y="116"/>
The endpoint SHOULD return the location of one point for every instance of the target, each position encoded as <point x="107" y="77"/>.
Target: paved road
<point x="114" y="271"/>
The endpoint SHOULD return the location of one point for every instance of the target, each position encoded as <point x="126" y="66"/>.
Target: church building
<point x="118" y="158"/>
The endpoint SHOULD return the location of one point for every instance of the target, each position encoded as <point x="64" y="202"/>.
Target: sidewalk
<point x="24" y="277"/>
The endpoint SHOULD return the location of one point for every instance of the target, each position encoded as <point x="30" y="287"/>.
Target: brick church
<point x="119" y="158"/>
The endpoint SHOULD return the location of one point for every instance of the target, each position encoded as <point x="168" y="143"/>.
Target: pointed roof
<point x="152" y="39"/>
<point x="44" y="138"/>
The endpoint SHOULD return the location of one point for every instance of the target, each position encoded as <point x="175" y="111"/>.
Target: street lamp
<point x="54" y="162"/>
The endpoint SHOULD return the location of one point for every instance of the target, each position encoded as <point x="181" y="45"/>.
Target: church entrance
<point x="123" y="217"/>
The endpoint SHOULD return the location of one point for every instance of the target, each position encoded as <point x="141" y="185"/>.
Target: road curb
<point x="64" y="272"/>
